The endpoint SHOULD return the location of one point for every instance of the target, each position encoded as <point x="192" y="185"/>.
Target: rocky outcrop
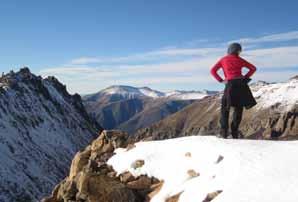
<point x="91" y="179"/>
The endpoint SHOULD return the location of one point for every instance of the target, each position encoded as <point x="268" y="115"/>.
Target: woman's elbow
<point x="212" y="71"/>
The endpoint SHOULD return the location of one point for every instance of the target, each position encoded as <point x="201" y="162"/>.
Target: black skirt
<point x="238" y="94"/>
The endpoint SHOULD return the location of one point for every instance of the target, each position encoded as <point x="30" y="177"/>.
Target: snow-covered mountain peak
<point x="294" y="77"/>
<point x="131" y="92"/>
<point x="151" y="93"/>
<point x="283" y="95"/>
<point x="259" y="83"/>
<point x="119" y="89"/>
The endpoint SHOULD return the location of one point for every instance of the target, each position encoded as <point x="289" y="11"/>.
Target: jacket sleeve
<point x="251" y="68"/>
<point x="214" y="70"/>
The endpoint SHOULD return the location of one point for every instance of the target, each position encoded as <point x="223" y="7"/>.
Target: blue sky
<point x="164" y="44"/>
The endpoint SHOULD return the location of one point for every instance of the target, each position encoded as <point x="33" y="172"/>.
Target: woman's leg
<point x="224" y="117"/>
<point x="237" y="117"/>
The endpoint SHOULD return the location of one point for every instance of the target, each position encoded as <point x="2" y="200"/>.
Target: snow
<point x="151" y="93"/>
<point x="132" y="92"/>
<point x="251" y="170"/>
<point x="285" y="94"/>
<point x="187" y="95"/>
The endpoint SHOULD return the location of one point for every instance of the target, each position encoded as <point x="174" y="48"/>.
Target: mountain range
<point x="42" y="127"/>
<point x="130" y="108"/>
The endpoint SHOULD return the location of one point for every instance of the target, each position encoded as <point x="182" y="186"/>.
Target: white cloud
<point x="85" y="60"/>
<point x="274" y="57"/>
<point x="148" y="56"/>
<point x="275" y="76"/>
<point x="287" y="36"/>
<point x="174" y="66"/>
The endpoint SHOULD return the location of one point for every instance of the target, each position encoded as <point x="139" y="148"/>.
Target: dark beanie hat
<point x="234" y="48"/>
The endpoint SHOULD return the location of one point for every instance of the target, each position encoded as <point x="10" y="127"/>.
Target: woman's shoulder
<point x="230" y="57"/>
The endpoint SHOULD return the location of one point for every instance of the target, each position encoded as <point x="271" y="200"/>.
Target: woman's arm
<point x="251" y="68"/>
<point x="214" y="70"/>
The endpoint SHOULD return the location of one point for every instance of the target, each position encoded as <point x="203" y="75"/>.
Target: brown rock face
<point x="126" y="177"/>
<point x="174" y="198"/>
<point x="212" y="195"/>
<point x="143" y="182"/>
<point x="92" y="180"/>
<point x="156" y="188"/>
<point x="95" y="187"/>
<point x="79" y="161"/>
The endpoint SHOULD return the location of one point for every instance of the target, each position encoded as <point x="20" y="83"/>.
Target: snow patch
<point x="132" y="92"/>
<point x="188" y="95"/>
<point x="249" y="170"/>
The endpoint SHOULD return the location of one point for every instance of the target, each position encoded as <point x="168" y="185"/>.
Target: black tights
<point x="224" y="120"/>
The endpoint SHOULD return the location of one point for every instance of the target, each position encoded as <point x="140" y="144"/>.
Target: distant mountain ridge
<point x="130" y="108"/>
<point x="129" y="92"/>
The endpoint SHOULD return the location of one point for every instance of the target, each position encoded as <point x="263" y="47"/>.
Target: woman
<point x="237" y="93"/>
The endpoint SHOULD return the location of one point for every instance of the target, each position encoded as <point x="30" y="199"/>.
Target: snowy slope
<point x="189" y="95"/>
<point x="132" y="92"/>
<point x="283" y="94"/>
<point x="41" y="128"/>
<point x="244" y="170"/>
<point x="151" y="93"/>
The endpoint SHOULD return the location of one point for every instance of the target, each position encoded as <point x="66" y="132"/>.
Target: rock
<point x="112" y="174"/>
<point x="154" y="180"/>
<point x="117" y="137"/>
<point x="138" y="164"/>
<point x="130" y="146"/>
<point x="174" y="198"/>
<point x="49" y="199"/>
<point x="126" y="177"/>
<point x="99" y="187"/>
<point x="156" y="188"/>
<point x="53" y="197"/>
<point x="219" y="159"/>
<point x="107" y="142"/>
<point x="211" y="196"/>
<point x="104" y="157"/>
<point x="187" y="154"/>
<point x="91" y="179"/>
<point x="67" y="190"/>
<point x="192" y="173"/>
<point x="143" y="182"/>
<point x="97" y="144"/>
<point x="80" y="160"/>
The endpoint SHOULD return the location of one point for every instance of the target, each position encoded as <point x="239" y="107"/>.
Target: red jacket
<point x="232" y="66"/>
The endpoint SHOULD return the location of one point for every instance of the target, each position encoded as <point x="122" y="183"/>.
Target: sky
<point x="162" y="44"/>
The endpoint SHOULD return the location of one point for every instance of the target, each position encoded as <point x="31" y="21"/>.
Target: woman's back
<point x="232" y="67"/>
